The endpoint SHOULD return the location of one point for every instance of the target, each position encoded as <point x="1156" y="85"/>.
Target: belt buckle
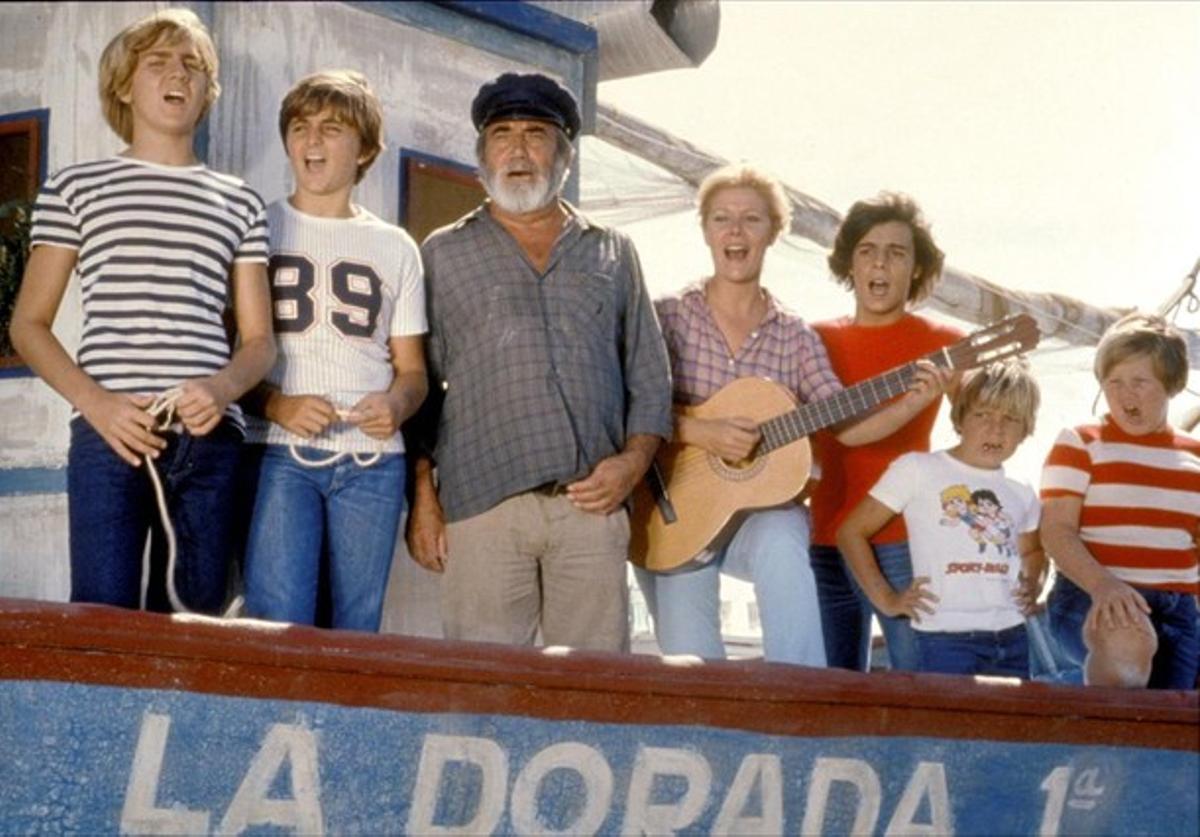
<point x="551" y="489"/>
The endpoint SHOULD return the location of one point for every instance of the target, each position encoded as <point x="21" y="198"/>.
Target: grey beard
<point x="522" y="198"/>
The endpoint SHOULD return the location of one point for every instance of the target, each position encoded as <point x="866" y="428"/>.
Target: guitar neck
<point x="848" y="403"/>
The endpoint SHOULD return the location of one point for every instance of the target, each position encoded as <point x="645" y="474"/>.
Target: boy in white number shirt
<point x="349" y="312"/>
<point x="977" y="561"/>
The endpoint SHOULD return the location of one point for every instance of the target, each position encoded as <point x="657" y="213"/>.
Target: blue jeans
<point x="1047" y="660"/>
<point x="111" y="508"/>
<point x="1173" y="616"/>
<point x="1004" y="653"/>
<point x="770" y="548"/>
<point x="846" y="610"/>
<point x="349" y="511"/>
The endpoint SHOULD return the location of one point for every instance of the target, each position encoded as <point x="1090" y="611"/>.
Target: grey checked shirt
<point x="543" y="375"/>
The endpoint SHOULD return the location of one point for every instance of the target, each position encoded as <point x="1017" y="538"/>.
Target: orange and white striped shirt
<point x="1141" y="501"/>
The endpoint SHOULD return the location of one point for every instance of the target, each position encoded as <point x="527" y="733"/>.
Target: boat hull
<point x="124" y="721"/>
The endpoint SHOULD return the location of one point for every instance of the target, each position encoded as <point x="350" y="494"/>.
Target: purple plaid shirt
<point x="782" y="348"/>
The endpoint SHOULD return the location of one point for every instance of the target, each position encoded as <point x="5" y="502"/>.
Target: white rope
<point x="362" y="460"/>
<point x="162" y="409"/>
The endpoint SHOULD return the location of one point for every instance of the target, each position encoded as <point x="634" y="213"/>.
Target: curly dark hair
<point x="885" y="207"/>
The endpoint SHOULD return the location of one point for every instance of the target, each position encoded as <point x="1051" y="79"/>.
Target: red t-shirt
<point x="1141" y="501"/>
<point x="860" y="352"/>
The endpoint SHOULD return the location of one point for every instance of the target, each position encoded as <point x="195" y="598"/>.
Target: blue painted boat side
<point x="114" y="720"/>
<point x="100" y="759"/>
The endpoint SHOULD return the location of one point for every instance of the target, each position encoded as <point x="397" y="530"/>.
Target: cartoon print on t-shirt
<point x="983" y="516"/>
<point x="956" y="506"/>
<point x="993" y="524"/>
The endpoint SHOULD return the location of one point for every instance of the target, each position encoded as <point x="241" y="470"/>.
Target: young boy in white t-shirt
<point x="977" y="561"/>
<point x="349" y="315"/>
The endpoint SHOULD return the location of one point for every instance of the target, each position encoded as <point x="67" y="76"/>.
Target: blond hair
<point x="1139" y="334"/>
<point x="1005" y="385"/>
<point x="956" y="492"/>
<point x="779" y="208"/>
<point x="349" y="96"/>
<point x="120" y="59"/>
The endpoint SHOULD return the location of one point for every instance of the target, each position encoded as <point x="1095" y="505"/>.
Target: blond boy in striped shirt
<point x="162" y="246"/>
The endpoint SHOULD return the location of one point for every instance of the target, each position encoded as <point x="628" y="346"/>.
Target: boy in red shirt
<point x="886" y="255"/>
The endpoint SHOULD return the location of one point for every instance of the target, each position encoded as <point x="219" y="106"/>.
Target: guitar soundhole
<point x="746" y="469"/>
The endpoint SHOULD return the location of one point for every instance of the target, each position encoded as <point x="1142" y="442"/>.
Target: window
<point x="22" y="170"/>
<point x="22" y="154"/>
<point x="434" y="192"/>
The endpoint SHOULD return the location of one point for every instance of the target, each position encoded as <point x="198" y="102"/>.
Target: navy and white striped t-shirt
<point x="155" y="248"/>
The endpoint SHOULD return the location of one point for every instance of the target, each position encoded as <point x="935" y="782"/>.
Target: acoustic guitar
<point x="690" y="497"/>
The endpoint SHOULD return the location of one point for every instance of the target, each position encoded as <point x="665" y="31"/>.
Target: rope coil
<point x="362" y="460"/>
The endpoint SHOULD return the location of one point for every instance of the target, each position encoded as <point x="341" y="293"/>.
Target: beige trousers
<point x="533" y="561"/>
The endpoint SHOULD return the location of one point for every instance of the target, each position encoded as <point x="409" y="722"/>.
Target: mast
<point x="959" y="293"/>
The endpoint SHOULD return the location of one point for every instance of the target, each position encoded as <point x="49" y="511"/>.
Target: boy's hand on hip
<point x="912" y="602"/>
<point x="1026" y="593"/>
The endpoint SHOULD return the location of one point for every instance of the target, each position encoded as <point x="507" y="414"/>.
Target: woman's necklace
<point x="735" y="327"/>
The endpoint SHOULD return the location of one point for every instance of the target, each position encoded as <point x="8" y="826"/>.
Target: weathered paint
<point x="51" y="52"/>
<point x="425" y="60"/>
<point x="426" y="81"/>
<point x="528" y="19"/>
<point x="154" y="760"/>
<point x="139" y="722"/>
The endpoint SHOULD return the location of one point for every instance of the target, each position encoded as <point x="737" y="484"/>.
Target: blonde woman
<point x="729" y="326"/>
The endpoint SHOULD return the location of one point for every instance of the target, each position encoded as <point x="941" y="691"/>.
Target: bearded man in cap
<point x="555" y="392"/>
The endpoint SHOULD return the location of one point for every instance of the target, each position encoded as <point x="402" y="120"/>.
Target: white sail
<point x="960" y="294"/>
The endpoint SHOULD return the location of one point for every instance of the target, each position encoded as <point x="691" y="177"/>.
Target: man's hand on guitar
<point x="910" y="602"/>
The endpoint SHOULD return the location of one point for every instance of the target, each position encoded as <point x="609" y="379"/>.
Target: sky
<point x="1053" y="146"/>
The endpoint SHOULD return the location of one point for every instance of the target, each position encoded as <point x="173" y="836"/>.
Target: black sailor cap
<point x="531" y="96"/>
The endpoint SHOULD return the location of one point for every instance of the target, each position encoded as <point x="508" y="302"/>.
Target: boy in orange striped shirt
<point x="1120" y="516"/>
